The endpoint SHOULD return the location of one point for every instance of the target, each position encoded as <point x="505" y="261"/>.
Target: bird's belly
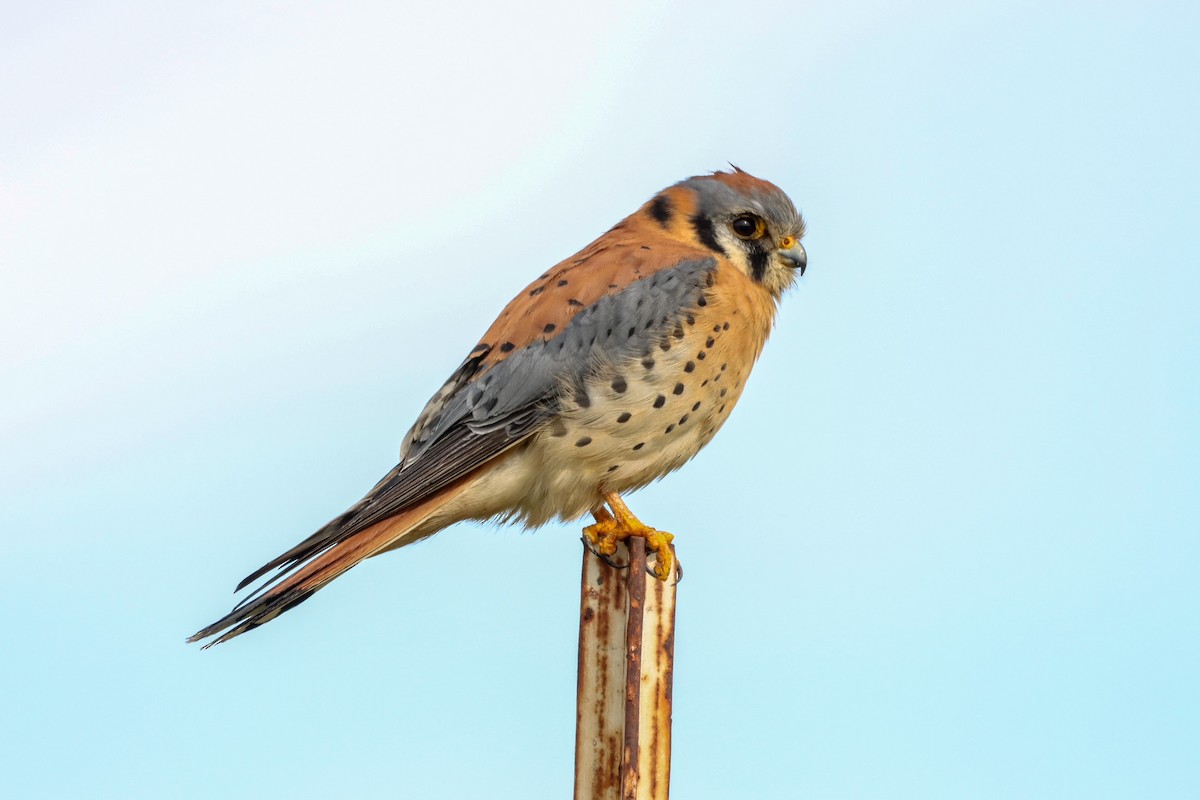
<point x="635" y="422"/>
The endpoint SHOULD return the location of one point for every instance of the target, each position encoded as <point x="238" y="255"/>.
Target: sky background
<point x="945" y="547"/>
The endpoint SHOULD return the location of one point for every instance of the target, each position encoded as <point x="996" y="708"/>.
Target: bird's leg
<point x="622" y="524"/>
<point x="599" y="540"/>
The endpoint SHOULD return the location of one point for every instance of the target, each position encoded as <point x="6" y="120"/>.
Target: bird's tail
<point x="299" y="580"/>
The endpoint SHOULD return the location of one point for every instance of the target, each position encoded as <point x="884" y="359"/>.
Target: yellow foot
<point x="622" y="524"/>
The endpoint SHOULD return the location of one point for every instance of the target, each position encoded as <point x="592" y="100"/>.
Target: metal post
<point x="626" y="653"/>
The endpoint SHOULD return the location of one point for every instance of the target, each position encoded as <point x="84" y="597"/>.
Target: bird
<point x="609" y="371"/>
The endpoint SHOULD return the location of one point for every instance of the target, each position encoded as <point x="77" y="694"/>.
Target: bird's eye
<point x="748" y="226"/>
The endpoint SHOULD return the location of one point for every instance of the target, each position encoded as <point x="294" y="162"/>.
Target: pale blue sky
<point x="946" y="547"/>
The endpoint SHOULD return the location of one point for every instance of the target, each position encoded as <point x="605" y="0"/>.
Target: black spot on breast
<point x="664" y="345"/>
<point x="645" y="247"/>
<point x="670" y="428"/>
<point x="625" y="417"/>
<point x="678" y="389"/>
<point x="659" y="401"/>
<point x="709" y="342"/>
<point x="614" y="467"/>
<point x="697" y="406"/>
<point x="716" y="328"/>
<point x="724" y="367"/>
<point x="701" y="301"/>
<point x="581" y="399"/>
<point x="618" y="384"/>
<point x="661" y="210"/>
<point x="678" y="332"/>
<point x="683" y="419"/>
<point x="707" y="235"/>
<point x="701" y="355"/>
<point x="689" y="366"/>
<point x="648" y="363"/>
<point x="691" y="320"/>
<point x="584" y="442"/>
<point x="550" y="326"/>
<point x="725" y="327"/>
<point x="721" y="410"/>
<point x="507" y="347"/>
<point x="638" y="446"/>
<point x="724" y="392"/>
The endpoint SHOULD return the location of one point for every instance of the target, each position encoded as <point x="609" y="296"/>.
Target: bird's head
<point x="748" y="220"/>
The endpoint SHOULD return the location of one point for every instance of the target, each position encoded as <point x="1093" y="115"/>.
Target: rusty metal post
<point x="626" y="653"/>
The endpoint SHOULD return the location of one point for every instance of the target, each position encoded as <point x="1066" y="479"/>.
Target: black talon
<point x="652" y="562"/>
<point x="605" y="557"/>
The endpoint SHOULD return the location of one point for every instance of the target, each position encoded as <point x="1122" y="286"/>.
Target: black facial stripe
<point x="704" y="229"/>
<point x="661" y="210"/>
<point x="760" y="257"/>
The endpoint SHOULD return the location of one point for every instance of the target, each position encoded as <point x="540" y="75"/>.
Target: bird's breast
<point x="632" y="422"/>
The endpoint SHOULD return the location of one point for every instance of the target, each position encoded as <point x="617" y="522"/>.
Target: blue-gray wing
<point x="485" y="409"/>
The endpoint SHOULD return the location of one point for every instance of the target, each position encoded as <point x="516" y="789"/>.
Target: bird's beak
<point x="795" y="257"/>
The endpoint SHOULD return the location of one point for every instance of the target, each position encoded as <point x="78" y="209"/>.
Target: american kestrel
<point x="610" y="370"/>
